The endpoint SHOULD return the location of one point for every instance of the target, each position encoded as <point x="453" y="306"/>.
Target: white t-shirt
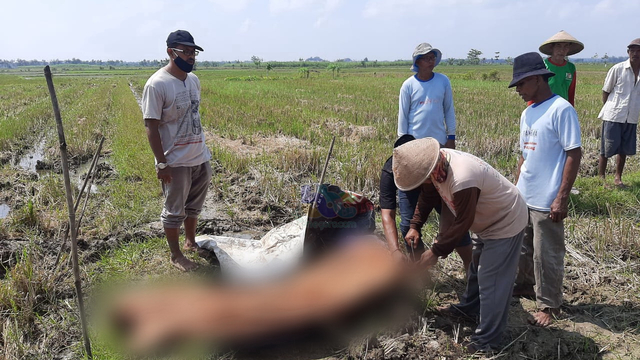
<point x="547" y="131"/>
<point x="426" y="108"/>
<point x="501" y="212"/>
<point x="176" y="103"/>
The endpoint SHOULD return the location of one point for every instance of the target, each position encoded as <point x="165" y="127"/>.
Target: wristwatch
<point x="162" y="166"/>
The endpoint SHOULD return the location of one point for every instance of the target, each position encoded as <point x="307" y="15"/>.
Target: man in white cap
<point x="619" y="115"/>
<point x="550" y="142"/>
<point x="559" y="47"/>
<point x="475" y="197"/>
<point x="170" y="108"/>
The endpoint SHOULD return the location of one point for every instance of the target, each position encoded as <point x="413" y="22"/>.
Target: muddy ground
<point x="599" y="320"/>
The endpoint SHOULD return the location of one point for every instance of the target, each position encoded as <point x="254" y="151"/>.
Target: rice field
<point x="269" y="135"/>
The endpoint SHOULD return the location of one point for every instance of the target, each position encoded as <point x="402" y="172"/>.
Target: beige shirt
<point x="176" y="105"/>
<point x="623" y="103"/>
<point x="501" y="212"/>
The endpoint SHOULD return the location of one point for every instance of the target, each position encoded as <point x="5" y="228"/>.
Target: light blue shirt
<point x="426" y="108"/>
<point x="547" y="131"/>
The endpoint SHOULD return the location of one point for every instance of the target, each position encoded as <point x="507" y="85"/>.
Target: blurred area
<point x="350" y="290"/>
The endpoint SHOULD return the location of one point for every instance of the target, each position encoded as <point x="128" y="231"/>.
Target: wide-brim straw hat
<point x="561" y="37"/>
<point x="423" y="49"/>
<point x="414" y="161"/>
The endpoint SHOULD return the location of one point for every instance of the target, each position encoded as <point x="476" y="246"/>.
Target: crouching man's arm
<point x="453" y="228"/>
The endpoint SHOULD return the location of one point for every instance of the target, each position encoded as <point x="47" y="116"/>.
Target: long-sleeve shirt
<point x="452" y="228"/>
<point x="426" y="108"/>
<point x="499" y="210"/>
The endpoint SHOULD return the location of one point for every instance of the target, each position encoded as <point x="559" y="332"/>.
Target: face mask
<point x="182" y="64"/>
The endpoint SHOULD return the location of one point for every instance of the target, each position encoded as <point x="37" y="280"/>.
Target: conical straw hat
<point x="562" y="36"/>
<point x="414" y="161"/>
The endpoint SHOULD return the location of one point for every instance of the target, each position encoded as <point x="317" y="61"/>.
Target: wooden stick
<point x="315" y="199"/>
<point x="70" y="206"/>
<point x="75" y="207"/>
<point x="91" y="174"/>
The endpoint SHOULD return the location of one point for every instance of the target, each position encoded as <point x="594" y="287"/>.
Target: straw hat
<point x="562" y="36"/>
<point x="414" y="161"/>
<point x="423" y="49"/>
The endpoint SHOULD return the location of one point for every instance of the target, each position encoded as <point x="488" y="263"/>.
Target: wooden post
<point x="70" y="206"/>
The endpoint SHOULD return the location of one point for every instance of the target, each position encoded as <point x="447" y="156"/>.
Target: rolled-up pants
<point x="185" y="194"/>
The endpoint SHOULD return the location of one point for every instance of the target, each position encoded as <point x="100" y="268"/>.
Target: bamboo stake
<point x="75" y="207"/>
<point x="91" y="174"/>
<point x="70" y="206"/>
<point x="315" y="199"/>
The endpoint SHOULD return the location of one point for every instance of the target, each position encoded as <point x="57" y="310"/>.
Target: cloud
<point x="245" y="26"/>
<point x="231" y="5"/>
<point x="280" y="6"/>
<point x="377" y="8"/>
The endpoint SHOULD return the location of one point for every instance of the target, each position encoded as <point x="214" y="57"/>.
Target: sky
<point x="287" y="30"/>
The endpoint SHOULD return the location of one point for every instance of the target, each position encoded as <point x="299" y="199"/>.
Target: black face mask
<point x="182" y="64"/>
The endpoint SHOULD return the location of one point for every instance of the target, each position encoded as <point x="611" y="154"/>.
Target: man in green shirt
<point x="558" y="47"/>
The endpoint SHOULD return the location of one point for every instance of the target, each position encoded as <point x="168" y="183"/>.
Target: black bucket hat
<point x="528" y="64"/>
<point x="182" y="37"/>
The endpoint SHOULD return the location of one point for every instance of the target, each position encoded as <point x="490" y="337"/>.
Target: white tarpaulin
<point x="279" y="251"/>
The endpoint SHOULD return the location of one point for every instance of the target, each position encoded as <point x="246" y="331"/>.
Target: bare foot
<point x="190" y="246"/>
<point x="473" y="348"/>
<point x="619" y="184"/>
<point x="184" y="264"/>
<point x="454" y="312"/>
<point x="544" y="317"/>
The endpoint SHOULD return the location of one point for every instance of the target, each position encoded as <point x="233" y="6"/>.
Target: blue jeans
<point x="407" y="202"/>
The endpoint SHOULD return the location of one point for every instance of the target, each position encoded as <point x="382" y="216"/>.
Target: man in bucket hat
<point x="426" y="100"/>
<point x="425" y="110"/>
<point x="619" y="115"/>
<point x="475" y="197"/>
<point x="170" y="108"/>
<point x="558" y="47"/>
<point x="550" y="142"/>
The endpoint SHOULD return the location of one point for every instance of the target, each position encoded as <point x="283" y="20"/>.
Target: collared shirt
<point x="623" y="103"/>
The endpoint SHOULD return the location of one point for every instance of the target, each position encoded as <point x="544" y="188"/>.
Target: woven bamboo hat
<point x="562" y="36"/>
<point x="414" y="161"/>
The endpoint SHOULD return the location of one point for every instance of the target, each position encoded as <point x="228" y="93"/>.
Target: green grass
<point x="251" y="122"/>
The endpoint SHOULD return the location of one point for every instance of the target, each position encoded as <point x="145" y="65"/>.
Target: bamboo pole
<point x="312" y="206"/>
<point x="90" y="174"/>
<point x="70" y="206"/>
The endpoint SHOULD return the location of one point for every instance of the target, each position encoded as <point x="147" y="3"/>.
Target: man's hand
<point x="164" y="175"/>
<point x="412" y="238"/>
<point x="450" y="144"/>
<point x="559" y="209"/>
<point x="428" y="259"/>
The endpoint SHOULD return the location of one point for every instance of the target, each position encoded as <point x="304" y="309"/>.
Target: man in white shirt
<point x="619" y="115"/>
<point x="170" y="108"/>
<point x="550" y="142"/>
